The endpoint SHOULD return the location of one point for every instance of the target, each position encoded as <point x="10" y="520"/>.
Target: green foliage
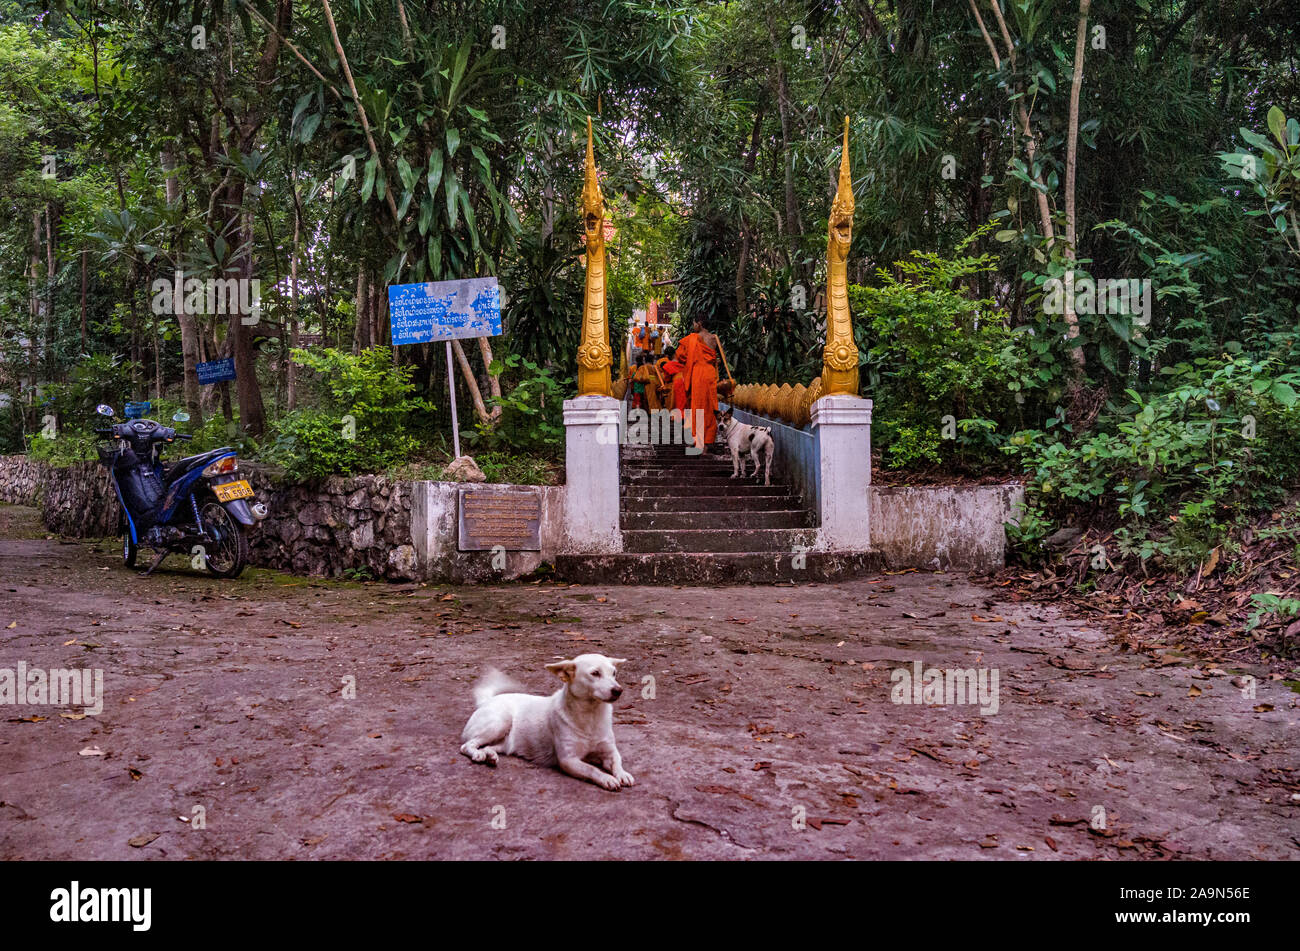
<point x="66" y="449"/>
<point x="774" y="343"/>
<point x="1178" y="468"/>
<point x="368" y="421"/>
<point x="931" y="350"/>
<point x="540" y="312"/>
<point x="1274" y="174"/>
<point x="706" y="281"/>
<point x="914" y="447"/>
<point x="532" y="409"/>
<point x="1268" y="603"/>
<point x="516" y="468"/>
<point x="97" y="378"/>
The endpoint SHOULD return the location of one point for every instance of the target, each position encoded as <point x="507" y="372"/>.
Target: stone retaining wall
<point x="76" y="500"/>
<point x="361" y="523"/>
<point x="342" y="524"/>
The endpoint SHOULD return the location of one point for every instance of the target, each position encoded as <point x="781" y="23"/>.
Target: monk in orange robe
<point x="682" y="382"/>
<point x="645" y="376"/>
<point x="702" y="378"/>
<point x="666" y="376"/>
<point x="675" y="371"/>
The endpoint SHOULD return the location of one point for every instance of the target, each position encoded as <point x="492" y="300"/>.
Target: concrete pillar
<point x="591" y="437"/>
<point x="842" y="428"/>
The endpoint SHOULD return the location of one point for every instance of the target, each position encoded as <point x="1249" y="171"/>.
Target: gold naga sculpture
<point x="595" y="356"/>
<point x="840" y="358"/>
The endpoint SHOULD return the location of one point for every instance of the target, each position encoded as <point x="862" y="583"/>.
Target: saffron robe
<point x="702" y="378"/>
<point x="675" y="371"/>
<point x="645" y="375"/>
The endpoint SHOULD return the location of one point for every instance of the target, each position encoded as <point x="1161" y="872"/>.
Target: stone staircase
<point x="685" y="521"/>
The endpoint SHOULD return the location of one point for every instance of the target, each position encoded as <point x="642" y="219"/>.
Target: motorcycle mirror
<point x="180" y="416"/>
<point x="103" y="409"/>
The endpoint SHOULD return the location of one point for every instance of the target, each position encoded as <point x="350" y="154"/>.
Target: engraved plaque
<point x="509" y="518"/>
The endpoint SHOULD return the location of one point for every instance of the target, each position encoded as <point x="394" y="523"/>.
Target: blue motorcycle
<point x="197" y="506"/>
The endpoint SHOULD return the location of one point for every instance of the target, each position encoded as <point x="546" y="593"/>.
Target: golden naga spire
<point x="840" y="358"/>
<point x="594" y="354"/>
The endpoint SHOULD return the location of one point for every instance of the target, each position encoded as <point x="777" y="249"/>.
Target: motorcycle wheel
<point x="129" y="550"/>
<point x="228" y="553"/>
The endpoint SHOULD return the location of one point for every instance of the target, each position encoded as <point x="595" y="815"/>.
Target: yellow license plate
<point x="229" y="491"/>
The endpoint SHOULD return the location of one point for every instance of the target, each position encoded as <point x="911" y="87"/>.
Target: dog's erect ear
<point x="565" y="668"/>
<point x="617" y="660"/>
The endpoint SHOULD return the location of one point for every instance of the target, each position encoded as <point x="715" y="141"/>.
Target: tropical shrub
<point x="369" y="421"/>
<point x="930" y="349"/>
<point x="1177" y="469"/>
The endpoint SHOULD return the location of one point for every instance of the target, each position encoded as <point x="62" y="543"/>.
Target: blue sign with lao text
<point x="216" y="371"/>
<point x="444" y="310"/>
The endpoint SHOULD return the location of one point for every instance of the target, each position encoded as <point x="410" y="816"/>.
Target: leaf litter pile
<point x="1233" y="609"/>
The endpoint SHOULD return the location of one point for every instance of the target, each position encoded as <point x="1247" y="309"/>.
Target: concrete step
<point x="689" y="478"/>
<point x="713" y="568"/>
<point x="718" y="539"/>
<point x="691" y="490"/>
<point x="764" y="518"/>
<point x="717" y="503"/>
<point x="709" y="465"/>
<point x="688" y="464"/>
<point x="673" y="454"/>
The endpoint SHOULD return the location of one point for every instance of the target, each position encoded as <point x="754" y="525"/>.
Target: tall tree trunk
<point x="290" y="369"/>
<point x="189" y="332"/>
<point x="82" y="348"/>
<point x="793" y="224"/>
<point x="36" y="306"/>
<point x="377" y="298"/>
<point x="137" y="352"/>
<point x="746" y="234"/>
<point x="1071" y="167"/>
<point x="359" y="330"/>
<point x="49" y="293"/>
<point x="252" y="412"/>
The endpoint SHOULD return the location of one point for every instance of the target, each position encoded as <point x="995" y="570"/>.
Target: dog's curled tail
<point x="490" y="684"/>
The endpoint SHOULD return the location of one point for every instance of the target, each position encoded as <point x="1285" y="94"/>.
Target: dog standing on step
<point x="741" y="438"/>
<point x="572" y="728"/>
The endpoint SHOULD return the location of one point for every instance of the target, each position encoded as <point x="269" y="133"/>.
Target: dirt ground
<point x="757" y="721"/>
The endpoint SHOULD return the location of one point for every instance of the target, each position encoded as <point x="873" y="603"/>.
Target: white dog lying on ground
<point x="572" y="728"/>
<point x="742" y="438"/>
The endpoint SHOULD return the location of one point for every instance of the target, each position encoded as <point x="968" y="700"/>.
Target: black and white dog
<point x="741" y="438"/>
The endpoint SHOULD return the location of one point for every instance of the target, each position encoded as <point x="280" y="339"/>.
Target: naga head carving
<point x="593" y="202"/>
<point x="841" y="220"/>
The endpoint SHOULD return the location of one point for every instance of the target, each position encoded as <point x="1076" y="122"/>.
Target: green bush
<point x="366" y="425"/>
<point x="532" y="409"/>
<point x="930" y="350"/>
<point x="1177" y="469"/>
<point x="215" y="433"/>
<point x="67" y="448"/>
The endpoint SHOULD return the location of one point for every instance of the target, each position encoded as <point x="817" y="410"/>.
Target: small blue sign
<point x="216" y="371"/>
<point x="444" y="310"/>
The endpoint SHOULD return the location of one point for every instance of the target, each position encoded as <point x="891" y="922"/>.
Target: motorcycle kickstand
<point x="157" y="560"/>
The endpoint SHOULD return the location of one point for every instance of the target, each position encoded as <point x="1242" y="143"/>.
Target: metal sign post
<point x="451" y="387"/>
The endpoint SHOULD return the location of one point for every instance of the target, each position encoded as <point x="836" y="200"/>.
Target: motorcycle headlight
<point x="221" y="466"/>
